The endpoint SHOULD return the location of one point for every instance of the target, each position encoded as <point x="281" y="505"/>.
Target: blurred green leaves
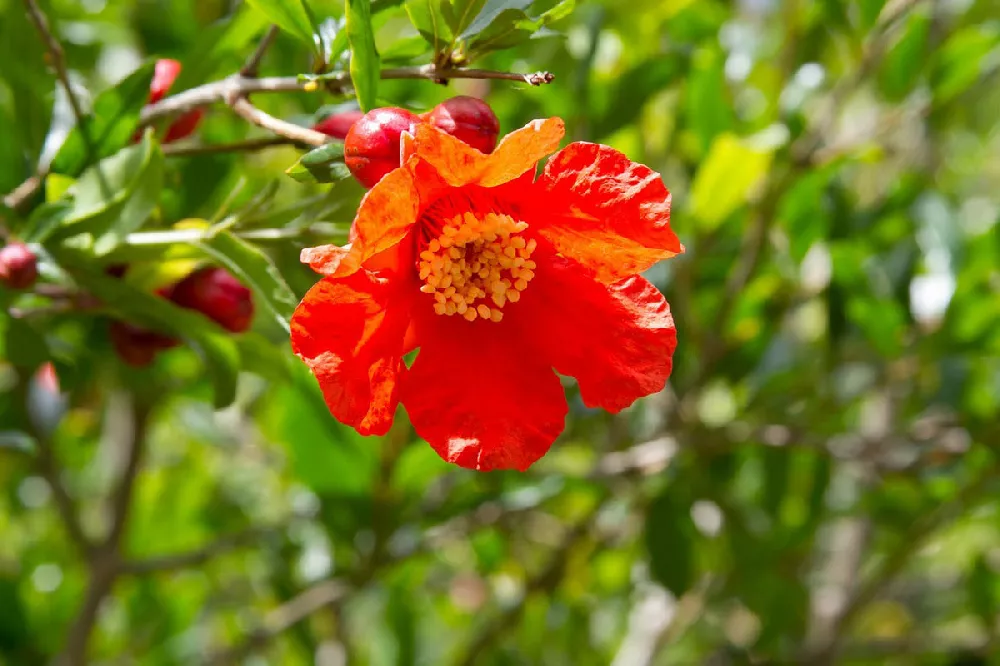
<point x="726" y="178"/>
<point x="670" y="536"/>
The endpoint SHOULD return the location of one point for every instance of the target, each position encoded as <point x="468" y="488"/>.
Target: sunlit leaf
<point x="110" y="127"/>
<point x="725" y="179"/>
<point x="365" y="72"/>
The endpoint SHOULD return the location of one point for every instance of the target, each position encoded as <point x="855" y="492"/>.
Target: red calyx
<point x="218" y="295"/>
<point x="18" y="266"/>
<point x="137" y="346"/>
<point x="372" y="145"/>
<point x="165" y="72"/>
<point x="469" y="119"/>
<point x="338" y="125"/>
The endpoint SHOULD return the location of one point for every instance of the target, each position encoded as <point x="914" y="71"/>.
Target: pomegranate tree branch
<point x="250" y="145"/>
<point x="56" y="55"/>
<point x="105" y="563"/>
<point x="244" y="109"/>
<point x="253" y="62"/>
<point x="237" y="86"/>
<point x="193" y="558"/>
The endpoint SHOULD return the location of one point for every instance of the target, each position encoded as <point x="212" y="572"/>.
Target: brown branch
<point x="250" y="145"/>
<point x="283" y="618"/>
<point x="228" y="88"/>
<point x="237" y="86"/>
<point x="433" y="73"/>
<point x="921" y="530"/>
<point x="57" y="56"/>
<point x="165" y="563"/>
<point x="69" y="513"/>
<point x="244" y="109"/>
<point x="105" y="561"/>
<point x="252" y="64"/>
<point x="23" y="192"/>
<point x="546" y="580"/>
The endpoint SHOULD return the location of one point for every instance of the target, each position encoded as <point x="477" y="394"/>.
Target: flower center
<point x="477" y="265"/>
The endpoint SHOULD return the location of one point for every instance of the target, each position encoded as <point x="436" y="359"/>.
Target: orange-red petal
<point x="349" y="331"/>
<point x="605" y="211"/>
<point x="387" y="213"/>
<point x="478" y="399"/>
<point x="459" y="164"/>
<point x="617" y="339"/>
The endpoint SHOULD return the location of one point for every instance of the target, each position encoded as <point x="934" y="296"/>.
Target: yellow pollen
<point x="474" y="260"/>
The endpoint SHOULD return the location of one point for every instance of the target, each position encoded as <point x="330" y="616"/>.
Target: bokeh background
<point x="817" y="484"/>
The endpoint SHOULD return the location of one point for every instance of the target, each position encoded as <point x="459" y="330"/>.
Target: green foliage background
<point x="818" y="483"/>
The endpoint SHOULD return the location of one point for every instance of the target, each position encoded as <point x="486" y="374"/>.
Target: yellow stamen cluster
<point x="475" y="260"/>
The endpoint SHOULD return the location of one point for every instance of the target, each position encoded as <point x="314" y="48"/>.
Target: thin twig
<point x="237" y="86"/>
<point x="244" y="109"/>
<point x="546" y="580"/>
<point x="433" y="73"/>
<point x="231" y="87"/>
<point x="23" y="192"/>
<point x="252" y="65"/>
<point x="166" y="563"/>
<point x="50" y="470"/>
<point x="57" y="56"/>
<point x="283" y="618"/>
<point x="921" y="530"/>
<point x="105" y="561"/>
<point x="172" y="236"/>
<point x="250" y="145"/>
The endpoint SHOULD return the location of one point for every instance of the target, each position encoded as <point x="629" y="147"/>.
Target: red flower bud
<point x="137" y="346"/>
<point x="469" y="119"/>
<point x="218" y="295"/>
<point x="338" y="125"/>
<point x="164" y="74"/>
<point x="372" y="145"/>
<point x="183" y="126"/>
<point x="18" y="266"/>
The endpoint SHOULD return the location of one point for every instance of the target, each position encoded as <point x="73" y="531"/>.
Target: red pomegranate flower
<point x="501" y="280"/>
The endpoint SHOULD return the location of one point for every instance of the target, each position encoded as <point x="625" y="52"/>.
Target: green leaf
<point x="14" y="630"/>
<point x="209" y="340"/>
<point x="45" y="219"/>
<point x="326" y="455"/>
<point x="490" y="12"/>
<point x="726" y="178"/>
<point x="292" y="16"/>
<point x="321" y="165"/>
<point x="510" y="28"/>
<point x="109" y="127"/>
<point x="364" y="56"/>
<point x="961" y="60"/>
<point x="513" y="26"/>
<point x="427" y="16"/>
<point x="255" y="269"/>
<point x="670" y="535"/>
<point x="904" y="62"/>
<point x="116" y="195"/>
<point x="219" y="46"/>
<point x="706" y="101"/>
<point x="460" y="14"/>
<point x="630" y="90"/>
<point x="981" y="586"/>
<point x="23" y="346"/>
